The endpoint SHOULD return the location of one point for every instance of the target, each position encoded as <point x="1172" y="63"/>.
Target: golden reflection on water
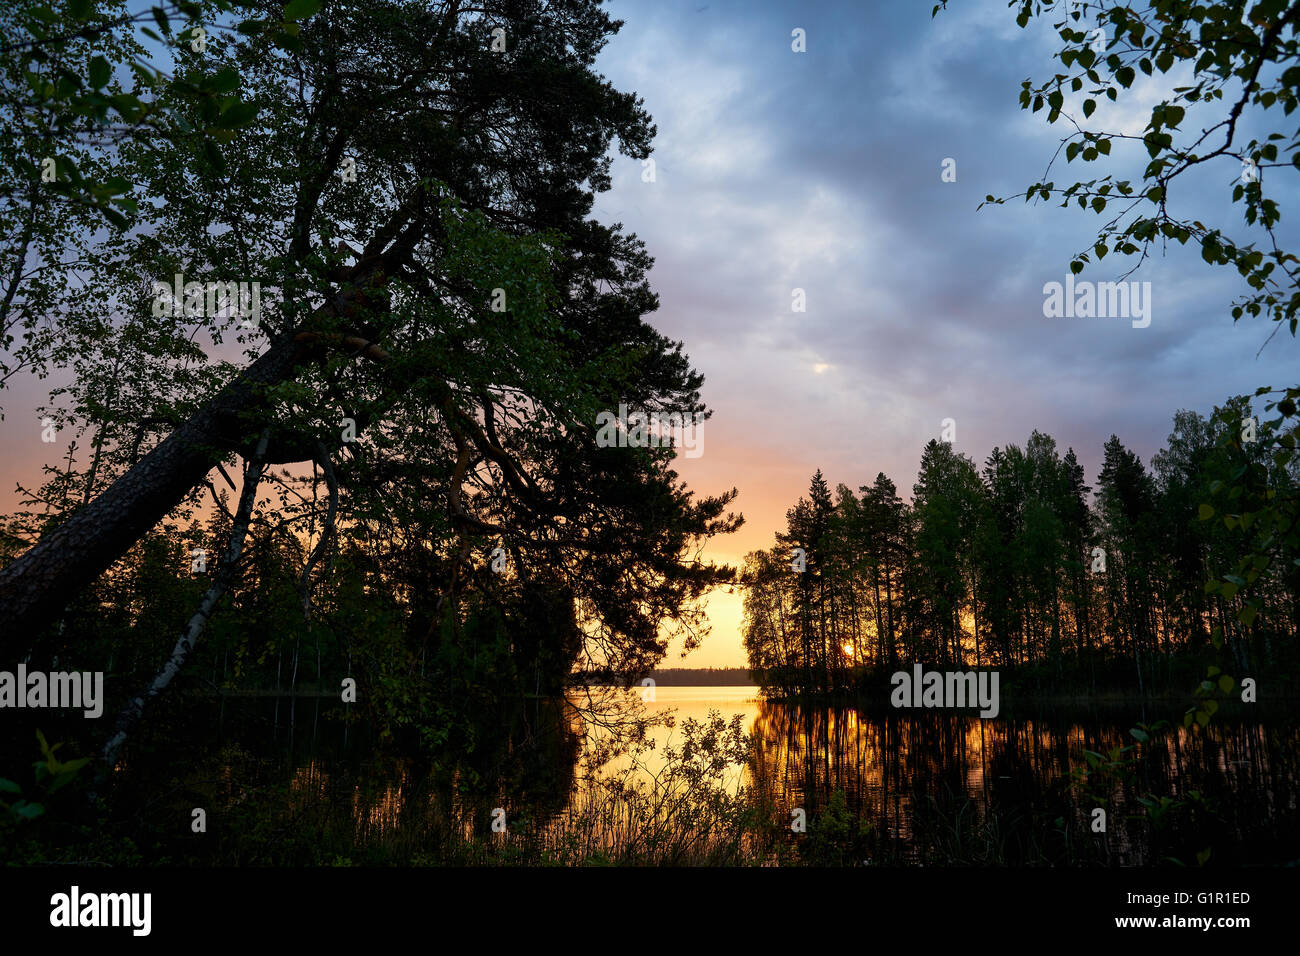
<point x="889" y="763"/>
<point x="900" y="771"/>
<point x="376" y="815"/>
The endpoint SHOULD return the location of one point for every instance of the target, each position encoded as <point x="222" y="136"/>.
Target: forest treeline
<point x="1019" y="565"/>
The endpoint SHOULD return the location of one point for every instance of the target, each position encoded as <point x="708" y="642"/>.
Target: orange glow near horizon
<point x="768" y="484"/>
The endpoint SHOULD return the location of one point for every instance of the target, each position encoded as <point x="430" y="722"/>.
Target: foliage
<point x="422" y="419"/>
<point x="1016" y="568"/>
<point x="51" y="775"/>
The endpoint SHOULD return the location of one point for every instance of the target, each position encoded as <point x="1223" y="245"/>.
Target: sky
<point x="822" y="171"/>
<point x="776" y="170"/>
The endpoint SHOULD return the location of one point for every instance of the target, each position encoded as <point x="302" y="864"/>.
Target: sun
<point x="847" y="649"/>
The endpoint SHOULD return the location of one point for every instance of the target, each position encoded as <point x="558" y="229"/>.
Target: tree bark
<point x="225" y="576"/>
<point x="68" y="558"/>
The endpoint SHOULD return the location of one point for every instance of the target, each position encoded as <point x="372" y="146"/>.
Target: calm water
<point x="929" y="782"/>
<point x="933" y="786"/>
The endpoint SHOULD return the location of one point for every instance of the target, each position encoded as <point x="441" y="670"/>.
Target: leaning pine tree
<point x="440" y="324"/>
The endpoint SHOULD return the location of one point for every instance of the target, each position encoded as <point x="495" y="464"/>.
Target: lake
<point x="929" y="787"/>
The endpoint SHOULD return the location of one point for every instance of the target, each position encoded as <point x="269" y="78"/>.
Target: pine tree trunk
<point x="67" y="559"/>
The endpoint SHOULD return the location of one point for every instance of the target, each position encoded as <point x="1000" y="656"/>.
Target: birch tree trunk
<point x="225" y="576"/>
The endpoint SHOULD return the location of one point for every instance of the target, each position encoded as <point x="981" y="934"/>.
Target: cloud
<point x="822" y="171"/>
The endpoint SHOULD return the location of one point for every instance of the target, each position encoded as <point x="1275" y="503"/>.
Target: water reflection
<point x="947" y="787"/>
<point x="931" y="787"/>
<point x="943" y="787"/>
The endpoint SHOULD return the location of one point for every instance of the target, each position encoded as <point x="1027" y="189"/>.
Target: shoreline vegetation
<point x="1021" y="568"/>
<point x="877" y="698"/>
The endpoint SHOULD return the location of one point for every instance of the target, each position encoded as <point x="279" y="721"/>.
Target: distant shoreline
<point x="683" y="677"/>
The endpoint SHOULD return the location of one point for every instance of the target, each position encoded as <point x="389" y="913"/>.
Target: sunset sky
<point x="777" y="170"/>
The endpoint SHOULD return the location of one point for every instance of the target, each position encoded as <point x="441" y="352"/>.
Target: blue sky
<point x="821" y="170"/>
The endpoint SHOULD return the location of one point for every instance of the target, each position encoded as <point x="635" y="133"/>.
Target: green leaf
<point x="1141" y="736"/>
<point x="115" y="217"/>
<point x="28" y="811"/>
<point x="236" y="115"/>
<point x="100" y="73"/>
<point x="8" y="786"/>
<point x="81" y="9"/>
<point x="225" y="80"/>
<point x="300" y="9"/>
<point x="1205" y="512"/>
<point x="214" y="156"/>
